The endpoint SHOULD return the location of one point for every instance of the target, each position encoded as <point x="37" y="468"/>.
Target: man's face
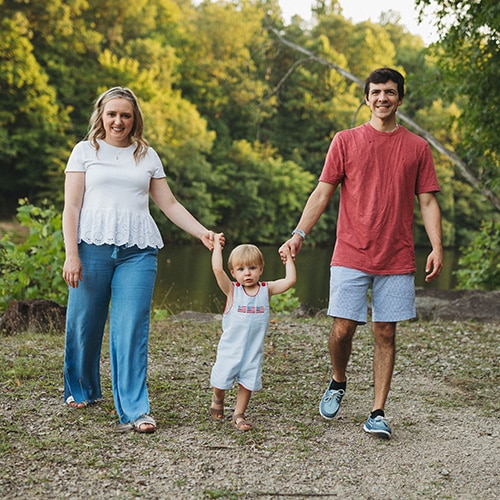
<point x="383" y="99"/>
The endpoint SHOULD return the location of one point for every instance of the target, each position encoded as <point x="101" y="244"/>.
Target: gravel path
<point x="437" y="450"/>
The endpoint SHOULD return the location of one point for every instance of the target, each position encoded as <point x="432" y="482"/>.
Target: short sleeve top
<point x="115" y="206"/>
<point x="379" y="174"/>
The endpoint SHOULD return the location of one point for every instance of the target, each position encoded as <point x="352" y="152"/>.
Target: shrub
<point x="284" y="302"/>
<point x="480" y="261"/>
<point x="32" y="269"/>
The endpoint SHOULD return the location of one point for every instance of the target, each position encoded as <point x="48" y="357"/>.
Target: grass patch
<point x="459" y="360"/>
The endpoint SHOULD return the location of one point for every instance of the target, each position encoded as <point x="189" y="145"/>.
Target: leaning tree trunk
<point x="458" y="162"/>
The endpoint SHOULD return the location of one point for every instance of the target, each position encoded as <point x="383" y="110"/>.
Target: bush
<point x="32" y="269"/>
<point x="480" y="261"/>
<point x="284" y="302"/>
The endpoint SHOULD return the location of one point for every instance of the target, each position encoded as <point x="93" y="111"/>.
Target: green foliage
<point x="210" y="78"/>
<point x="469" y="63"/>
<point x="480" y="261"/>
<point x="284" y="302"/>
<point x="33" y="268"/>
<point x="258" y="196"/>
<point x="220" y="68"/>
<point x="31" y="121"/>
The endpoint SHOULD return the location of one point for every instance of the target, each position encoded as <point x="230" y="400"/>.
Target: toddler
<point x="244" y="324"/>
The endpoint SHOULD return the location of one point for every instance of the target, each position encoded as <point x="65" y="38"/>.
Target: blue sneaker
<point x="378" y="426"/>
<point x="330" y="402"/>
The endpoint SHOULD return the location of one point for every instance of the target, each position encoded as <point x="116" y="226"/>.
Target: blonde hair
<point x="245" y="255"/>
<point x="96" y="130"/>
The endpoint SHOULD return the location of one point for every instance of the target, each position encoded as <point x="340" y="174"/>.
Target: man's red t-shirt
<point x="380" y="174"/>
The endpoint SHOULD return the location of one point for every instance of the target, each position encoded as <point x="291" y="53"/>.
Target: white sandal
<point x="136" y="425"/>
<point x="145" y="419"/>
<point x="73" y="404"/>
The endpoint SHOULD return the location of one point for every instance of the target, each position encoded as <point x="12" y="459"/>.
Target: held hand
<point x="434" y="265"/>
<point x="72" y="272"/>
<point x="219" y="240"/>
<point x="285" y="253"/>
<point x="208" y="239"/>
<point x="294" y="244"/>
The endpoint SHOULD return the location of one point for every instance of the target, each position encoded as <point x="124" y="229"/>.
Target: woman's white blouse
<point x="115" y="207"/>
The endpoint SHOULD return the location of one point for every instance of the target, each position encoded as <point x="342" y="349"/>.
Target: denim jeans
<point x="124" y="278"/>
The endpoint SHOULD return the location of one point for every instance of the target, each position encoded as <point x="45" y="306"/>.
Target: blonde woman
<point x="111" y="244"/>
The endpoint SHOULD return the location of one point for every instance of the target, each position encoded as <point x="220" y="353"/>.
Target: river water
<point x="185" y="280"/>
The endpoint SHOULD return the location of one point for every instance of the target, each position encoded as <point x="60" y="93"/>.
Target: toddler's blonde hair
<point x="245" y="255"/>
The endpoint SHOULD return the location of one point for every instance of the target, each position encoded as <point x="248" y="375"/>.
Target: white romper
<point x="241" y="346"/>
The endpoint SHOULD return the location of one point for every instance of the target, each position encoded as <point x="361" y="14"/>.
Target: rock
<point x="197" y="316"/>
<point x="33" y="315"/>
<point x="474" y="305"/>
<point x="304" y="311"/>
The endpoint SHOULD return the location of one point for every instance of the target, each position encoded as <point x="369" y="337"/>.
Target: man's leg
<point x="384" y="334"/>
<point x="383" y="361"/>
<point x="348" y="299"/>
<point x="340" y="346"/>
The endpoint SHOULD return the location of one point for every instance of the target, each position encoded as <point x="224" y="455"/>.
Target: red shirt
<point x="380" y="174"/>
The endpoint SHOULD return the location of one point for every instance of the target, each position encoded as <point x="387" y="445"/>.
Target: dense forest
<point x="241" y="107"/>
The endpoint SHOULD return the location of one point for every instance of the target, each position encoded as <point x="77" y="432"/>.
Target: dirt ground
<point x="442" y="447"/>
<point x="434" y="453"/>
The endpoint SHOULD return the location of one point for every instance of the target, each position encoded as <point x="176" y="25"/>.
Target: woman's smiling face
<point x="118" y="120"/>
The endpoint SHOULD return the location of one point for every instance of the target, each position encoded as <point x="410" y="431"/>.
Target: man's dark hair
<point x="382" y="75"/>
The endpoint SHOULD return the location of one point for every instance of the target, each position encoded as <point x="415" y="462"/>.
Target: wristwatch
<point x="301" y="233"/>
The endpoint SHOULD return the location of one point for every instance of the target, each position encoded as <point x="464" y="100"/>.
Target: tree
<point x="469" y="57"/>
<point x="312" y="101"/>
<point x="217" y="89"/>
<point x="32" y="125"/>
<point x="219" y="73"/>
<point x="65" y="47"/>
<point x="259" y="196"/>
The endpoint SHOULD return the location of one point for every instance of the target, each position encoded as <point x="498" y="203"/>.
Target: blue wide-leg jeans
<point x="123" y="277"/>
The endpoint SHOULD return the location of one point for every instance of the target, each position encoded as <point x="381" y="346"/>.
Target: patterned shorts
<point x="392" y="295"/>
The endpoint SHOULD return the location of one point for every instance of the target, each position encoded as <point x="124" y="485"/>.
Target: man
<point x="380" y="166"/>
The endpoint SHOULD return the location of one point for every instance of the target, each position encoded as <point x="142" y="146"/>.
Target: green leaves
<point x="284" y="302"/>
<point x="31" y="122"/>
<point x="480" y="261"/>
<point x="210" y="77"/>
<point x="33" y="268"/>
<point x="259" y="196"/>
<point x="469" y="60"/>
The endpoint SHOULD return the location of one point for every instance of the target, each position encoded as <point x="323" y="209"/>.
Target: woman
<point x="111" y="244"/>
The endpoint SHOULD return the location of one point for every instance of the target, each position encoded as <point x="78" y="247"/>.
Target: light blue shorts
<point x="392" y="297"/>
